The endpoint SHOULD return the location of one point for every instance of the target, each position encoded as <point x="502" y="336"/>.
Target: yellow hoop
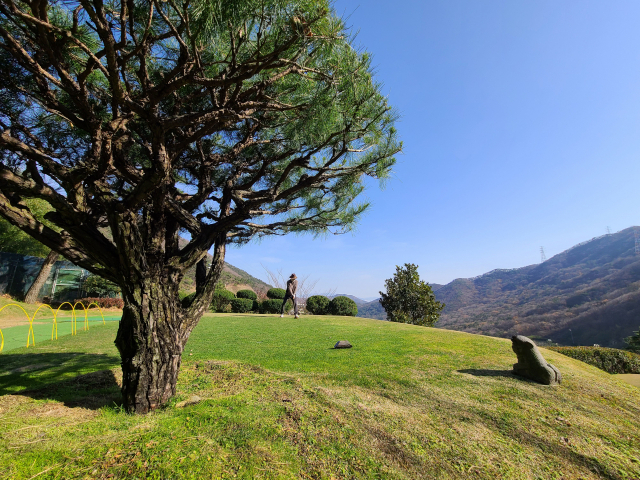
<point x="55" y="323"/>
<point x="86" y="320"/>
<point x="73" y="316"/>
<point x="94" y="303"/>
<point x="30" y="332"/>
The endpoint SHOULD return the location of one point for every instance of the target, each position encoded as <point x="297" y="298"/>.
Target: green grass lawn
<point x="277" y="401"/>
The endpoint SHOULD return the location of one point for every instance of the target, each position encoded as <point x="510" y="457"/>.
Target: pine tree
<point x="409" y="299"/>
<point x="633" y="342"/>
<point x="227" y="121"/>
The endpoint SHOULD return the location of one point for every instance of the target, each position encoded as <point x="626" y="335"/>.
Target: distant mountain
<point x="232" y="277"/>
<point x="372" y="309"/>
<point x="358" y="301"/>
<point x="589" y="294"/>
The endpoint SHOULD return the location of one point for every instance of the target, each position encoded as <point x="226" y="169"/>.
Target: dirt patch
<point x="630" y="378"/>
<point x="17" y="321"/>
<point x="235" y="288"/>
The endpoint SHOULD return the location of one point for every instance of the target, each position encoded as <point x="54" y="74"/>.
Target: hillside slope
<point x="232" y="277"/>
<point x="273" y="400"/>
<point x="589" y="294"/>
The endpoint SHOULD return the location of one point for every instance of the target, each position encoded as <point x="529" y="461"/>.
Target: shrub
<point x="256" y="306"/>
<point x="318" y="304"/>
<point x="182" y="294"/>
<point x="102" y="302"/>
<point x="96" y="286"/>
<point x="610" y="360"/>
<point x="241" y="305"/>
<point x="250" y="294"/>
<point x="221" y="300"/>
<point x="276" y="293"/>
<point x="343" y="306"/>
<point x="274" y="305"/>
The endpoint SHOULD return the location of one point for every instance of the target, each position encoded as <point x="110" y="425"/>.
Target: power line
<point x="543" y="257"/>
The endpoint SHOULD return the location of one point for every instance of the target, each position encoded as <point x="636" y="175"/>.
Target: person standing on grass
<point x="292" y="286"/>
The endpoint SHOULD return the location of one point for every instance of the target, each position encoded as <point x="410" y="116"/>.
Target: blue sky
<point x="521" y="129"/>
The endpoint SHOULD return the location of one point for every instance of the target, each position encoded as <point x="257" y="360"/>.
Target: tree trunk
<point x="150" y="340"/>
<point x="155" y="328"/>
<point x="43" y="274"/>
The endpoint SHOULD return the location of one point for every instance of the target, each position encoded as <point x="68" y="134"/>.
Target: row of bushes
<point x="342" y="306"/>
<point x="244" y="301"/>
<point x="610" y="360"/>
<point x="102" y="302"/>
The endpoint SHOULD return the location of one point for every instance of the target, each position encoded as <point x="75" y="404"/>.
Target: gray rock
<point x="531" y="364"/>
<point x="342" y="344"/>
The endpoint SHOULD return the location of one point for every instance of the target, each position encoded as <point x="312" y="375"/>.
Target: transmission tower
<point x="543" y="257"/>
<point x="636" y="234"/>
<point x="608" y="231"/>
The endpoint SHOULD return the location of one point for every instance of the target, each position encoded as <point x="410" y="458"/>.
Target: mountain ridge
<point x="588" y="294"/>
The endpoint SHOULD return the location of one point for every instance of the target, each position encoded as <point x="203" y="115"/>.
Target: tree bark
<point x="150" y="340"/>
<point x="43" y="274"/>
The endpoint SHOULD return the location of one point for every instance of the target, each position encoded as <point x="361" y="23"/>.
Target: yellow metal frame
<point x="31" y="339"/>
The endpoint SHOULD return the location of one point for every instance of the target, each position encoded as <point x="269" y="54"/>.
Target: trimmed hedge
<point x="274" y="305"/>
<point x="276" y="293"/>
<point x="250" y="294"/>
<point x="318" y="304"/>
<point x="343" y="306"/>
<point x="102" y="302"/>
<point x="241" y="305"/>
<point x="221" y="300"/>
<point x="610" y="360"/>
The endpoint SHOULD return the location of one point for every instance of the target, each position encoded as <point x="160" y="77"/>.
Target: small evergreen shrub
<point x="182" y="294"/>
<point x="343" y="306"/>
<point x="276" y="293"/>
<point x="250" y="294"/>
<point x="256" y="306"/>
<point x="241" y="305"/>
<point x="102" y="302"/>
<point x="274" y="305"/>
<point x="221" y="300"/>
<point x="318" y="304"/>
<point x="610" y="360"/>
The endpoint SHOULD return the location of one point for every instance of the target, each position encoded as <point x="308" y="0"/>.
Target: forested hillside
<point x="585" y="295"/>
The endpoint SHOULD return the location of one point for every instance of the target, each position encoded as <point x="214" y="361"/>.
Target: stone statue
<point x="531" y="364"/>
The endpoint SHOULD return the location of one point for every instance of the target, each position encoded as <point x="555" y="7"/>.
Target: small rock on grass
<point x="342" y="344"/>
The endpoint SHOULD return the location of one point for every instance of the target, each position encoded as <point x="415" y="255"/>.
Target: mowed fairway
<point x="277" y="401"/>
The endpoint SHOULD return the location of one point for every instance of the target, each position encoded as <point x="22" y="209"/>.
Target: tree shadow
<point x="489" y="373"/>
<point x="76" y="379"/>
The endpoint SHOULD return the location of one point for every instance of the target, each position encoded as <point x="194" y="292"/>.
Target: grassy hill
<point x="585" y="295"/>
<point x="276" y="401"/>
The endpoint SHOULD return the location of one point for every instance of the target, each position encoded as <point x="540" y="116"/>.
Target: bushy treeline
<point x="244" y="301"/>
<point x="342" y="306"/>
<point x="610" y="360"/>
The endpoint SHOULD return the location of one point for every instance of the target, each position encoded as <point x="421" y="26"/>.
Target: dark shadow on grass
<point x="77" y="379"/>
<point x="488" y="373"/>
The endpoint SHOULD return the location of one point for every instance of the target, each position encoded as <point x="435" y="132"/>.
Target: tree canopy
<point x="226" y="121"/>
<point x="409" y="299"/>
<point x="633" y="342"/>
<point x="14" y="240"/>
